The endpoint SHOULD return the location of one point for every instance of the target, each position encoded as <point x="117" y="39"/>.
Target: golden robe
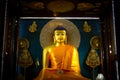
<point x="64" y="65"/>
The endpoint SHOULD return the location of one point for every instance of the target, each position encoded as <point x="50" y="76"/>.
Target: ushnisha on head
<point x="60" y="35"/>
<point x="60" y="28"/>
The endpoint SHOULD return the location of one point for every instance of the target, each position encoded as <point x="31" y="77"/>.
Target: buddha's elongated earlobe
<point x="66" y="40"/>
<point x="54" y="40"/>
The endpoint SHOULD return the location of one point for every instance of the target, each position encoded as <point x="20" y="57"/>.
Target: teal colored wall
<point x="35" y="48"/>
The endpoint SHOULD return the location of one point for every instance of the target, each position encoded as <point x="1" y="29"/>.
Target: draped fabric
<point x="64" y="65"/>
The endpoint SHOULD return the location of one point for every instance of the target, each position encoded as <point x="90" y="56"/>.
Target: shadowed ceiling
<point x="62" y="7"/>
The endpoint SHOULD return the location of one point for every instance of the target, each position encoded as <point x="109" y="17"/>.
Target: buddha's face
<point x="60" y="36"/>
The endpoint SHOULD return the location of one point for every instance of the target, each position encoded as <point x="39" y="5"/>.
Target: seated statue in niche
<point x="60" y="60"/>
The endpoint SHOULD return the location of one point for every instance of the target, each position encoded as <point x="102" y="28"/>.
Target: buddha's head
<point x="60" y="35"/>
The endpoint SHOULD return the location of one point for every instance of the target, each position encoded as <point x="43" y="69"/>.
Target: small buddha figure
<point x="60" y="60"/>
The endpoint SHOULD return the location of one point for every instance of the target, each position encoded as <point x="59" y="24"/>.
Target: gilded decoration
<point x="33" y="27"/>
<point x="86" y="27"/>
<point x="60" y="6"/>
<point x="23" y="44"/>
<point x="93" y="59"/>
<point x="95" y="42"/>
<point x="85" y="6"/>
<point x="34" y="5"/>
<point x="25" y="59"/>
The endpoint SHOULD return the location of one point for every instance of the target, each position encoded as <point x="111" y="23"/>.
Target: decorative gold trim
<point x="85" y="6"/>
<point x="95" y="42"/>
<point x="34" y="5"/>
<point x="86" y="27"/>
<point x="33" y="27"/>
<point x="60" y="6"/>
<point x="93" y="59"/>
<point x="23" y="43"/>
<point x="25" y="59"/>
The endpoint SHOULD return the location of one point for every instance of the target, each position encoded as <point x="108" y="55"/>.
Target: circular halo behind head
<point x="46" y="35"/>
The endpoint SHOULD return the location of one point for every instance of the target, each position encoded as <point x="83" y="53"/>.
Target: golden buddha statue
<point x="60" y="60"/>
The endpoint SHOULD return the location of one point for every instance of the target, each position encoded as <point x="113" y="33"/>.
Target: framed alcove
<point x="91" y="36"/>
<point x="27" y="23"/>
<point x="33" y="29"/>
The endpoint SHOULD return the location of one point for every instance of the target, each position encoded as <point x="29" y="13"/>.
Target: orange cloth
<point x="54" y="74"/>
<point x="64" y="57"/>
<point x="64" y="65"/>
